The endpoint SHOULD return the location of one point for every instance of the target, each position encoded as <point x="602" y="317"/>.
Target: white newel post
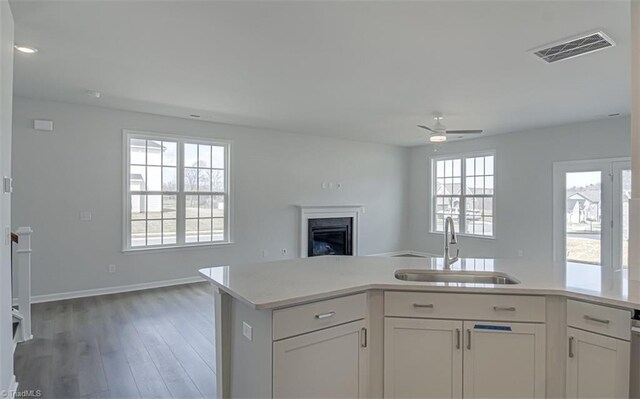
<point x="23" y="271"/>
<point x="634" y="202"/>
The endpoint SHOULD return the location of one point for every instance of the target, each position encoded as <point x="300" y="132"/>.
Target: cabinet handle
<point x="504" y="308"/>
<point x="571" y="339"/>
<point x="597" y="320"/>
<point x="457" y="338"/>
<point x="363" y="340"/>
<point x="325" y="315"/>
<point x="419" y="305"/>
<point x="468" y="339"/>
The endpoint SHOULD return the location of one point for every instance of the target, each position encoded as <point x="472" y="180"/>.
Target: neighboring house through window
<point x="177" y="191"/>
<point x="463" y="188"/>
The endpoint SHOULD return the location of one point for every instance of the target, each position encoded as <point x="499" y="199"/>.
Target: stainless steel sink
<point x="455" y="276"/>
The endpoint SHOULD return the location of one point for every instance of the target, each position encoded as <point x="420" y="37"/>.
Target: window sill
<point x="128" y="251"/>
<point x="467" y="235"/>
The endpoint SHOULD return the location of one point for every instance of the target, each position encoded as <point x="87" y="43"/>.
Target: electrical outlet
<point x="247" y="331"/>
<point x="112" y="268"/>
<point x="85" y="216"/>
<point x="284" y="251"/>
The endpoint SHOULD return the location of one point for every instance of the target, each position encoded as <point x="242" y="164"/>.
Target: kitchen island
<point x="347" y="327"/>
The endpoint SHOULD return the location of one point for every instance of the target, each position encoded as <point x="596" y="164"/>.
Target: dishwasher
<point x="635" y="356"/>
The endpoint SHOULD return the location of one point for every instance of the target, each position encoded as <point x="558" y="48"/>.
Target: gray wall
<point x="79" y="167"/>
<point x="524" y="179"/>
<point x="6" y="98"/>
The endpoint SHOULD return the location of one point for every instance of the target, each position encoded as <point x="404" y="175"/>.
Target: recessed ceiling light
<point x="25" y="49"/>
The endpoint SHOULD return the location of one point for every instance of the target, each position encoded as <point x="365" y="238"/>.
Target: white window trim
<point x="180" y="218"/>
<point x="432" y="196"/>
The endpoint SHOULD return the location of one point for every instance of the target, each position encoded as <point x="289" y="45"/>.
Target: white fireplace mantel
<point x="324" y="212"/>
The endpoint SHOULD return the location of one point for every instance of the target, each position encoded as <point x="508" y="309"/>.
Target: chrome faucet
<point x="449" y="239"/>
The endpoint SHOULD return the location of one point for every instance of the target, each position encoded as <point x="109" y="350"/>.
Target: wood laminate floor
<point x="156" y="343"/>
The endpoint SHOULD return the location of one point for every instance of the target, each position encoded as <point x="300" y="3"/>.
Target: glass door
<point x="591" y="218"/>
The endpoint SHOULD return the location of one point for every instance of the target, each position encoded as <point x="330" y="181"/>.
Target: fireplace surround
<point x="330" y="227"/>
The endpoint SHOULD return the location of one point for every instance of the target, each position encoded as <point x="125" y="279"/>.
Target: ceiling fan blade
<point x="464" y="131"/>
<point x="427" y="128"/>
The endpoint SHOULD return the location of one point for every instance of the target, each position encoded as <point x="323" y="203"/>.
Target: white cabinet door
<point x="422" y="358"/>
<point x="597" y="366"/>
<point x="330" y="363"/>
<point x="504" y="360"/>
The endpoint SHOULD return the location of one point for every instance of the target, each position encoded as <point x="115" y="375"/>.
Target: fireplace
<point x="330" y="236"/>
<point x="330" y="229"/>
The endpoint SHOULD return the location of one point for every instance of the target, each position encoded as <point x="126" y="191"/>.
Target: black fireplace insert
<point x="330" y="236"/>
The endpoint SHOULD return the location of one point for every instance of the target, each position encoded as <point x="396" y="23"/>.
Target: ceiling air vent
<point x="574" y="47"/>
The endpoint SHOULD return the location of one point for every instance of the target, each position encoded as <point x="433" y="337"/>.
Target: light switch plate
<point x="85" y="216"/>
<point x="7" y="185"/>
<point x="247" y="331"/>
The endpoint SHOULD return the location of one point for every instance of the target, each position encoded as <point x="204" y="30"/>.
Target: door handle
<point x="325" y="315"/>
<point x="458" y="338"/>
<point x="363" y="340"/>
<point x="597" y="320"/>
<point x="571" y="339"/>
<point x="419" y="305"/>
<point x="468" y="339"/>
<point x="504" y="308"/>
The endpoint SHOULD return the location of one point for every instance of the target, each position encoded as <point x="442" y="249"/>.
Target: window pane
<point x="471" y="185"/>
<point x="137" y="178"/>
<point x="204" y="230"/>
<point x="218" y="205"/>
<point x="448" y="168"/>
<point x="154" y="207"/>
<point x="154" y="178"/>
<point x="154" y="232"/>
<point x="440" y="169"/>
<point x="487" y="216"/>
<point x="137" y="152"/>
<point x="168" y="231"/>
<point x="204" y="155"/>
<point x="204" y="180"/>
<point x="138" y="233"/>
<point x="471" y="168"/>
<point x="205" y="206"/>
<point x="217" y="177"/>
<point x="440" y="190"/>
<point x="626" y="195"/>
<point x="154" y="152"/>
<point x="190" y="179"/>
<point x="488" y="185"/>
<point x="191" y="227"/>
<point x="217" y="157"/>
<point x="169" y="206"/>
<point x="138" y="207"/>
<point x="169" y="154"/>
<point x="218" y="229"/>
<point x="191" y="204"/>
<point x="457" y="185"/>
<point x="479" y="185"/>
<point x="583" y="217"/>
<point x="169" y="179"/>
<point x="488" y="165"/>
<point x="456" y="168"/>
<point x="479" y="166"/>
<point x="190" y="155"/>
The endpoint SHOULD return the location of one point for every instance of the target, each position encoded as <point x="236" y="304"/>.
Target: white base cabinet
<point x="504" y="360"/>
<point x="597" y="366"/>
<point x="470" y="359"/>
<point x="330" y="363"/>
<point x="422" y="358"/>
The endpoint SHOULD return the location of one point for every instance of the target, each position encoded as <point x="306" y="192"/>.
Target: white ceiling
<point x="358" y="70"/>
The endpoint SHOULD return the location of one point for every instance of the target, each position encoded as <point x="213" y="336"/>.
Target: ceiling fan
<point x="439" y="131"/>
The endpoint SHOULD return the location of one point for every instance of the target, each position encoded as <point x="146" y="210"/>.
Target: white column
<point x="23" y="271"/>
<point x="634" y="202"/>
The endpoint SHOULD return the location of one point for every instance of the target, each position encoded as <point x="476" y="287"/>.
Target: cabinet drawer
<point x="314" y="316"/>
<point x="465" y="306"/>
<point x="599" y="319"/>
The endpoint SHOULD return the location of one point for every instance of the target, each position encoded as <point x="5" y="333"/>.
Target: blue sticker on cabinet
<point x="490" y="327"/>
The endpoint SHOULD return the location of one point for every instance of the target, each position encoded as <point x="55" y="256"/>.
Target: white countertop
<point x="271" y="285"/>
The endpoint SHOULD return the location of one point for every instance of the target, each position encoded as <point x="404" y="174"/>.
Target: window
<point x="177" y="191"/>
<point x="463" y="188"/>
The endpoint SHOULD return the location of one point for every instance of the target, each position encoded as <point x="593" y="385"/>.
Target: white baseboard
<point x="114" y="290"/>
<point x="408" y="252"/>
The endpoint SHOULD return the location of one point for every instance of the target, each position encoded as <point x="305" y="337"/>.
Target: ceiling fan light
<point x="438" y="138"/>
